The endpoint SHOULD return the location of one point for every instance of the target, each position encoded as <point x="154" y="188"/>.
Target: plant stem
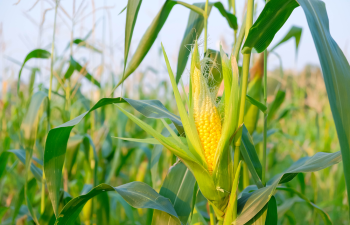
<point x="53" y="49"/>
<point x="233" y="4"/>
<point x="205" y="25"/>
<point x="212" y="215"/>
<point x="265" y="121"/>
<point x="238" y="43"/>
<point x="244" y="81"/>
<point x="42" y="200"/>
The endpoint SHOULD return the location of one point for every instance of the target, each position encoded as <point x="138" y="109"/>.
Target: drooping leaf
<point x="55" y="149"/>
<point x="35" y="54"/>
<point x="155" y="109"/>
<point x="250" y="204"/>
<point x="230" y="18"/>
<point x="270" y="20"/>
<point x="293" y="32"/>
<point x="136" y="194"/>
<point x="336" y="74"/>
<point x="57" y="139"/>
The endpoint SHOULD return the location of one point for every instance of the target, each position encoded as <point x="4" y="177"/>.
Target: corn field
<point x="218" y="139"/>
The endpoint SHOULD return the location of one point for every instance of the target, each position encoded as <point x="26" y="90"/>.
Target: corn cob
<point x="206" y="117"/>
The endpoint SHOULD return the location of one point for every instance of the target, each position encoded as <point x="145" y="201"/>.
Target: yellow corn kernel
<point x="206" y="117"/>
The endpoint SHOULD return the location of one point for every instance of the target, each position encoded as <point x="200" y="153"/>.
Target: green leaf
<point x="57" y="139"/>
<point x="136" y="194"/>
<point x="83" y="43"/>
<point x="275" y="105"/>
<point x="325" y="217"/>
<point x="36" y="54"/>
<point x="29" y="129"/>
<point x="3" y="162"/>
<point x="18" y="204"/>
<point x="197" y="218"/>
<point x="178" y="188"/>
<point x="55" y="150"/>
<point x="272" y="216"/>
<point x="336" y="74"/>
<point x="132" y="12"/>
<point x="21" y="155"/>
<point x="230" y="18"/>
<point x="258" y="104"/>
<point x="151" y="34"/>
<point x="194" y="28"/>
<point x="74" y="65"/>
<point x="30" y="124"/>
<point x="3" y="210"/>
<point x="251" y="204"/>
<point x="250" y="157"/>
<point x="254" y="90"/>
<point x="270" y="20"/>
<point x="155" y="109"/>
<point x="188" y="121"/>
<point x="157" y="24"/>
<point x="231" y="212"/>
<point x="293" y="32"/>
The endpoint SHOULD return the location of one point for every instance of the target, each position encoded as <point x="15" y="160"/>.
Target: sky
<point x="20" y="31"/>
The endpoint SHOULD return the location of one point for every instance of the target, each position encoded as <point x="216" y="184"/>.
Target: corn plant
<point x="216" y="166"/>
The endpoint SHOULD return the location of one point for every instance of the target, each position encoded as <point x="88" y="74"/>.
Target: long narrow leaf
<point x="136" y="194"/>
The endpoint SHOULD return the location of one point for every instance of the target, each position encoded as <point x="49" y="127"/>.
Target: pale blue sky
<point x="20" y="35"/>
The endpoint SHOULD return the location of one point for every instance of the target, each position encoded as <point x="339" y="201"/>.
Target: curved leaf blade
<point x="148" y="39"/>
<point x="293" y="32"/>
<point x="258" y="104"/>
<point x="37" y="54"/>
<point x="251" y="204"/>
<point x="336" y="73"/>
<point x="136" y="194"/>
<point x="271" y="19"/>
<point x="57" y="139"/>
